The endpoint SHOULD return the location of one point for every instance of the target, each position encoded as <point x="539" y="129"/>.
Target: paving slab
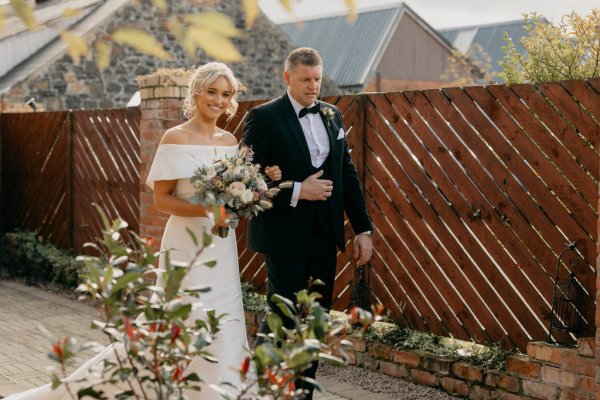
<point x="24" y="362"/>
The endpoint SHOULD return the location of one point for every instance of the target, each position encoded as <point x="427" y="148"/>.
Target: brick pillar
<point x="162" y="95"/>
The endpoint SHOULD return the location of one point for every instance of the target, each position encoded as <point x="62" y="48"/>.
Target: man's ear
<point x="286" y="77"/>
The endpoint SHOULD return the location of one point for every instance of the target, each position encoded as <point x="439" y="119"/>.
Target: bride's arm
<point x="165" y="201"/>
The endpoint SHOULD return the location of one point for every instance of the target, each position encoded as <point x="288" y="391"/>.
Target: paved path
<point x="24" y="361"/>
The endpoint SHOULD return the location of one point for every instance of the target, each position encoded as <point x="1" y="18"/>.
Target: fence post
<point x="69" y="183"/>
<point x="1" y="167"/>
<point x="597" y="341"/>
<point x="360" y="136"/>
<point x="162" y="95"/>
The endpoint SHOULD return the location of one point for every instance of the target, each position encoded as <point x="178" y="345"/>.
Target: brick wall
<point x="162" y="97"/>
<point x="545" y="372"/>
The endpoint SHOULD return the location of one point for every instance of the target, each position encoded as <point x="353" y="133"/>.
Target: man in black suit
<point x="306" y="139"/>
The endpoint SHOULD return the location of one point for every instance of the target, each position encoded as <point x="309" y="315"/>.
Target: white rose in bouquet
<point x="236" y="188"/>
<point x="247" y="196"/>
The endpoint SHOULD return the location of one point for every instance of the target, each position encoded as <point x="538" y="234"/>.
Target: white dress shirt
<point x="317" y="140"/>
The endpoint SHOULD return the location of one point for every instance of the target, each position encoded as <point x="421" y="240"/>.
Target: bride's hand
<point x="273" y="173"/>
<point x="222" y="219"/>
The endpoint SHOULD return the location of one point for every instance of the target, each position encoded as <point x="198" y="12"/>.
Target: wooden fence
<point x="55" y="164"/>
<point x="473" y="193"/>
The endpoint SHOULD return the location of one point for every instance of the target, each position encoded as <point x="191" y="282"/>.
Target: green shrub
<point x="25" y="255"/>
<point x="253" y="301"/>
<point x="489" y="357"/>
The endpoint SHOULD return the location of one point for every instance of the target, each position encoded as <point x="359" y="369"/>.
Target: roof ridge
<point x="491" y="24"/>
<point x="337" y="14"/>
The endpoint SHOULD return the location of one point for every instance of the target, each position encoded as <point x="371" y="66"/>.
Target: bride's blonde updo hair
<point x="204" y="76"/>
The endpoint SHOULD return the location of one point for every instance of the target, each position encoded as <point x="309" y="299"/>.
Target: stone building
<point x="55" y="82"/>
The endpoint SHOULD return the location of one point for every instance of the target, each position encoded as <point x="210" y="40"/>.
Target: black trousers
<point x="290" y="274"/>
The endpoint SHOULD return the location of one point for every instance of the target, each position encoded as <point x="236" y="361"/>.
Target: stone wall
<point x="63" y="85"/>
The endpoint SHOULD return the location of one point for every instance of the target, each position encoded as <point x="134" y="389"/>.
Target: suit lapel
<point x="294" y="124"/>
<point x="328" y="126"/>
<point x="331" y="134"/>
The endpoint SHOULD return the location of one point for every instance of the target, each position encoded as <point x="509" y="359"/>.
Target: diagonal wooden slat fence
<point x="473" y="192"/>
<point x="56" y="164"/>
<point x="33" y="148"/>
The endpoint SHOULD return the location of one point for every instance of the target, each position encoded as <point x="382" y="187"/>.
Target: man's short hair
<point x="303" y="55"/>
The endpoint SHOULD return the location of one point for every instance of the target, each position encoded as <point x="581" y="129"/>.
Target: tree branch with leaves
<point x="211" y="31"/>
<point x="569" y="49"/>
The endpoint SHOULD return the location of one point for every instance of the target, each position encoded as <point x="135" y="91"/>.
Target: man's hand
<point x="273" y="173"/>
<point x="363" y="248"/>
<point x="313" y="188"/>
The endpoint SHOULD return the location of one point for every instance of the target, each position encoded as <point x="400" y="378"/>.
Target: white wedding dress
<point x="174" y="161"/>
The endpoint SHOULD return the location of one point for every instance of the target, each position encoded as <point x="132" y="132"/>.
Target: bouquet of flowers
<point x="237" y="184"/>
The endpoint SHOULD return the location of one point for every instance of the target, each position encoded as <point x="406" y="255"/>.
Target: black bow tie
<point x="314" y="110"/>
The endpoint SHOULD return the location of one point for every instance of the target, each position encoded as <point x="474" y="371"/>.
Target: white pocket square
<point x="341" y="134"/>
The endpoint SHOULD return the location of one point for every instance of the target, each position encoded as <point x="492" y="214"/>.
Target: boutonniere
<point x="328" y="113"/>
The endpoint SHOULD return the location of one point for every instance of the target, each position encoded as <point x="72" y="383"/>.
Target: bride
<point x="212" y="92"/>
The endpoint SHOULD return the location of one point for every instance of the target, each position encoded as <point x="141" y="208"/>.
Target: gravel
<point x="375" y="382"/>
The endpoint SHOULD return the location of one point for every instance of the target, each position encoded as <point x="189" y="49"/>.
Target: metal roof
<point x="349" y="50"/>
<point x="489" y="37"/>
<point x="52" y="50"/>
<point x="17" y="43"/>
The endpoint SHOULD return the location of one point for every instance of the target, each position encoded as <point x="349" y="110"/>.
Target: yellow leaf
<point x="76" y="46"/>
<point x="141" y="41"/>
<point x="251" y="10"/>
<point x="214" y="21"/>
<point x="351" y="5"/>
<point x="2" y="19"/>
<point x="218" y="47"/>
<point x="287" y="4"/>
<point x="71" y="12"/>
<point x="102" y="54"/>
<point x="189" y="46"/>
<point x="24" y="10"/>
<point x="176" y="28"/>
<point x="160" y="4"/>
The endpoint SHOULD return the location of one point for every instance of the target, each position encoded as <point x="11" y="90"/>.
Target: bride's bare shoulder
<point x="228" y="138"/>
<point x="175" y="135"/>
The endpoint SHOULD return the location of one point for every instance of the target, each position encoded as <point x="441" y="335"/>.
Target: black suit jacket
<point x="275" y="134"/>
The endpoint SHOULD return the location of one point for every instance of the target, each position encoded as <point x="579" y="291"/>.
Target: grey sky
<point x="440" y="13"/>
